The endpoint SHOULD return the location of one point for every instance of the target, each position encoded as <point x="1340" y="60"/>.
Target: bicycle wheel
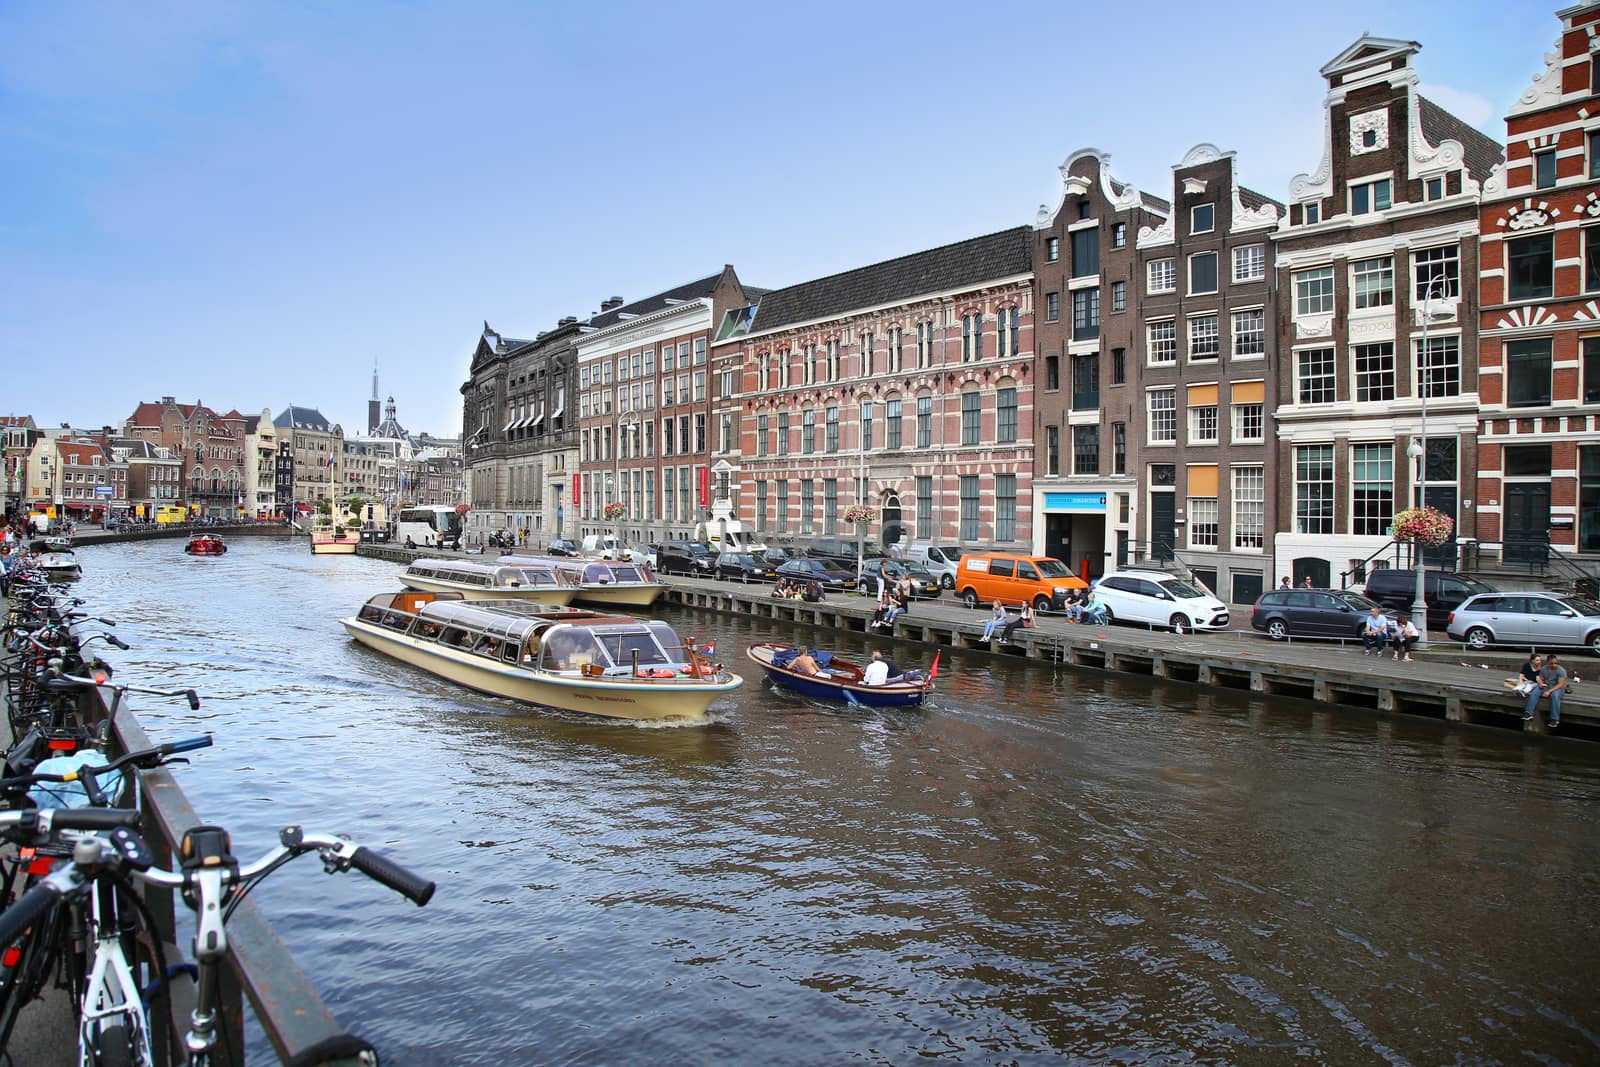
<point x="29" y="971"/>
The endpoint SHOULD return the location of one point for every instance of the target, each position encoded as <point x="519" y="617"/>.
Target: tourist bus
<point x="428" y="526"/>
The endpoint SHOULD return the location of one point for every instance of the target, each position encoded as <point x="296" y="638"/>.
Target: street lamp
<point x="1418" y="450"/>
<point x="861" y="488"/>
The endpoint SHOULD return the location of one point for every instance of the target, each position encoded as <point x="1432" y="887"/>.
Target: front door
<point x="1314" y="568"/>
<point x="1527" y="522"/>
<point x="891" y="521"/>
<point x="1443" y="557"/>
<point x="1163" y="525"/>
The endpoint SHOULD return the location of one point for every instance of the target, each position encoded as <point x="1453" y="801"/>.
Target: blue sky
<point x="249" y="204"/>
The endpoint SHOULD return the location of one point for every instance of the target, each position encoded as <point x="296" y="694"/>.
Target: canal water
<point x="1040" y="867"/>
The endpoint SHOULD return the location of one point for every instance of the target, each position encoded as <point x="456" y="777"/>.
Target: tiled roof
<point x="1480" y="152"/>
<point x="690" y="291"/>
<point x="304" y="419"/>
<point x="81" y="454"/>
<point x="961" y="265"/>
<point x="1253" y="200"/>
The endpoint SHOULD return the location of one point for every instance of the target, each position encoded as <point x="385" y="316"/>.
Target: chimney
<point x="613" y="302"/>
<point x="166" y="400"/>
<point x="568" y="321"/>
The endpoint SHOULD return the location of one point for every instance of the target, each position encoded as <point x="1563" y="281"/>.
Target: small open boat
<point x="558" y="657"/>
<point x="527" y="579"/>
<point x="205" y="545"/>
<point x="605" y="582"/>
<point x="839" y="679"/>
<point x="58" y="564"/>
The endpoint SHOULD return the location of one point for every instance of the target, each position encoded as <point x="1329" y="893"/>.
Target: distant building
<point x="17" y="436"/>
<point x="316" y="450"/>
<point x="211" y="446"/>
<point x="154" y="475"/>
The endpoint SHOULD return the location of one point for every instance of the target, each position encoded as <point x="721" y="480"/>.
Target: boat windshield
<point x="567" y="648"/>
<point x="536" y="576"/>
<point x="669" y="641"/>
<point x="623" y="645"/>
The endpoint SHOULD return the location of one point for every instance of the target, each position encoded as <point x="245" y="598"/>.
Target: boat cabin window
<point x="597" y="572"/>
<point x="569" y="649"/>
<point x="622" y="646"/>
<point x="669" y="641"/>
<point x="627" y="574"/>
<point x="424" y="630"/>
<point x="370" y="613"/>
<point x="454" y="635"/>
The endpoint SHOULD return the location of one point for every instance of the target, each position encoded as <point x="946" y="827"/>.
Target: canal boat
<point x="602" y="582"/>
<point x="567" y="658"/>
<point x="58" y="565"/>
<point x="839" y="679"/>
<point x="525" y="580"/>
<point x="335" y="541"/>
<point x="205" y="545"/>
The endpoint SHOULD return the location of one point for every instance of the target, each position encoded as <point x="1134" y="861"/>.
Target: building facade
<point x="1539" y="331"/>
<point x="907" y="385"/>
<point x="212" y="448"/>
<point x="1204" y="339"/>
<point x="1378" y="330"/>
<point x="17" y="436"/>
<point x="315" y="448"/>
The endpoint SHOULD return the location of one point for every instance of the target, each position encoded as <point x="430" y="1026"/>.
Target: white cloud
<point x="1468" y="107"/>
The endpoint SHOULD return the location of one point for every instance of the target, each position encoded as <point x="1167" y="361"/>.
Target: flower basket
<point x="860" y="514"/>
<point x="615" y="510"/>
<point x="1425" y="526"/>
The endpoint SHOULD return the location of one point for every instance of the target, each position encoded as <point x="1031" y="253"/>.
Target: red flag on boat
<point x="933" y="671"/>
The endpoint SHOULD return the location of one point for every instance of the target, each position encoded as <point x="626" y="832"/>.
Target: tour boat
<point x="524" y="580"/>
<point x="608" y="583"/>
<point x="327" y="541"/>
<point x="557" y="657"/>
<point x="205" y="545"/>
<point x="840" y="680"/>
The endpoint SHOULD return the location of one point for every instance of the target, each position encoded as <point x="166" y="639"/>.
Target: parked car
<point x="743" y="567"/>
<point x="693" y="558"/>
<point x="1014" y="580"/>
<point x="561" y="547"/>
<point x="924" y="583"/>
<point x="843" y="550"/>
<point x="828" y="575"/>
<point x="1157" y="598"/>
<point x="1312" y="613"/>
<point x="780" y="554"/>
<point x="1535" y="619"/>
<point x="942" y="560"/>
<point x="1443" y="591"/>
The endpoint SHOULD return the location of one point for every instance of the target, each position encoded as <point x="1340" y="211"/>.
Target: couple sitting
<point x="891" y="605"/>
<point x="1085" y="607"/>
<point x="1379" y="632"/>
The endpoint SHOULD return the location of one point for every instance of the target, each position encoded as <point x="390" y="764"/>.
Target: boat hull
<point x="638" y="701"/>
<point x="618" y="596"/>
<point x="333" y="548"/>
<point x="821" y="687"/>
<point x="557" y="596"/>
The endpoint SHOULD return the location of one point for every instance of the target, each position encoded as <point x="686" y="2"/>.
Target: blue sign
<point x="1075" y="501"/>
<point x="561" y="512"/>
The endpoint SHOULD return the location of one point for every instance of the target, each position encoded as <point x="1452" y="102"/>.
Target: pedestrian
<point x="1374" y="632"/>
<point x="1552" y="682"/>
<point x="1404" y="637"/>
<point x="1285" y="584"/>
<point x="1024" y="619"/>
<point x="1307" y="583"/>
<point x="997" y="619"/>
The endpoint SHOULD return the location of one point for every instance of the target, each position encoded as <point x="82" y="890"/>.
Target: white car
<point x="1157" y="598"/>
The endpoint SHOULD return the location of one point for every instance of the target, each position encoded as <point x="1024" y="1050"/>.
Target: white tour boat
<point x="524" y="580"/>
<point x="606" y="582"/>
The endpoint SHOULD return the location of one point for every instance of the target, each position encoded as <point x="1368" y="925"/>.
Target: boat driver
<point x="877" y="672"/>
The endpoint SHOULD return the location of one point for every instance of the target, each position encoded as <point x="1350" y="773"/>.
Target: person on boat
<point x="803" y="663"/>
<point x="877" y="672"/>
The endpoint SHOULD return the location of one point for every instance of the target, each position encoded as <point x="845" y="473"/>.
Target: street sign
<point x="104" y="490"/>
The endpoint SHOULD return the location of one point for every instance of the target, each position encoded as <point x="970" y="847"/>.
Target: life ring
<point x="659" y="672"/>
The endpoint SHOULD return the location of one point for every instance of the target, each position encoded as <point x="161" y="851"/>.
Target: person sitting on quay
<point x="1074" y="604"/>
<point x="1094" y="611"/>
<point x="813" y="592"/>
<point x="1404" y="637"/>
<point x="1024" y="619"/>
<point x="1527" y="679"/>
<point x="996" y="620"/>
<point x="1374" y="632"/>
<point x="1552" y="683"/>
<point x="893" y="606"/>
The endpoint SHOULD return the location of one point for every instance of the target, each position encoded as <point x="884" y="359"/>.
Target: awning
<point x="536" y="420"/>
<point x="561" y="405"/>
<point x="512" y="425"/>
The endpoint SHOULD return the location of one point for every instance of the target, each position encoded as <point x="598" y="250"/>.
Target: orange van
<point x="1014" y="580"/>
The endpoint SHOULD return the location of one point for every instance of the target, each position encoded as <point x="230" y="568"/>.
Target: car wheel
<point x="1041" y="604"/>
<point x="1479" y="638"/>
<point x="1594" y="642"/>
<point x="1110" y="615"/>
<point x="947" y="581"/>
<point x="1179" y="623"/>
<point x="970" y="597"/>
<point x="1277" y="629"/>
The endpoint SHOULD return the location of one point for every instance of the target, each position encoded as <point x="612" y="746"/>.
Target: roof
<point x="694" y="290"/>
<point x="303" y="419"/>
<point x="961" y="265"/>
<point x="1480" y="152"/>
<point x="80" y="452"/>
<point x="1253" y="200"/>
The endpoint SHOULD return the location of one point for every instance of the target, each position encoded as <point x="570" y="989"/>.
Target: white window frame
<point x="1301" y="279"/>
<point x="1257" y="330"/>
<point x="1249" y="263"/>
<point x="1204" y="515"/>
<point x="1239" y="435"/>
<point x="1374" y="377"/>
<point x="1332" y="375"/>
<point x="1198" y="334"/>
<point x="1241" y="521"/>
<point x="1165" y="325"/>
<point x="1371" y="183"/>
<point x="1367" y="283"/>
<point x="1198" y="417"/>
<point x="1212" y="228"/>
<point x="1169" y="413"/>
<point x="1161" y="276"/>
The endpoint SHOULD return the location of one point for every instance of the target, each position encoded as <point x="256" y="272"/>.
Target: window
<point x="1203" y="273"/>
<point x="1119" y="366"/>
<point x="891" y="419"/>
<point x="830" y="505"/>
<point x="1593" y="142"/>
<point x="808" y="431"/>
<point x="1313" y="292"/>
<point x="1374" y="372"/>
<point x="667" y="395"/>
<point x="1119" y="235"/>
<point x="1528" y="372"/>
<point x="970" y="417"/>
<point x="683" y="431"/>
<point x="1085" y="314"/>
<point x="1248" y="419"/>
<point x="1369" y="197"/>
<point x="1163" y="416"/>
<point x="1544" y="169"/>
<point x="1591" y="260"/>
<point x="761" y="435"/>
<point x="1052" y="373"/>
<point x="1008" y="333"/>
<point x="1249" y="508"/>
<point x="866" y="354"/>
<point x="808" y="505"/>
<point x="1371" y="489"/>
<point x="924" y="507"/>
<point x="1086" y="382"/>
<point x="833" y="360"/>
<point x="925" y="342"/>
<point x="761" y="507"/>
<point x="1530" y="267"/>
<point x="1202" y="218"/>
<point x="1119" y="296"/>
<point x="1203" y="341"/>
<point x="699" y="386"/>
<point x="1006" y="415"/>
<point x="896" y="349"/>
<point x="969" y="507"/>
<point x="1315" y="370"/>
<point x="1433" y="188"/>
<point x="1438" y="367"/>
<point x="1161" y="276"/>
<point x="1163" y="341"/>
<point x="1313" y="489"/>
<point x="1052" y="249"/>
<point x="831" y="429"/>
<point x="1083" y="209"/>
<point x="1052" y="307"/>
<point x="1203" y="520"/>
<point x="1052" y="450"/>
<point x="1119" y="448"/>
<point x="866" y="426"/>
<point x="1005" y="507"/>
<point x="1591" y="370"/>
<point x="1313" y="212"/>
<point x="783" y="434"/>
<point x="924" y="422"/>
<point x="1203" y="417"/>
<point x="1086" y="450"/>
<point x="1250" y="263"/>
<point x="1373" y="282"/>
<point x="972" y="337"/>
<point x="1085" y="253"/>
<point x="1249" y="331"/>
<point x="1438" y="271"/>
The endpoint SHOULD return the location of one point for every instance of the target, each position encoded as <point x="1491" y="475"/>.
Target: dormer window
<point x="1433" y="188"/>
<point x="1312" y="210"/>
<point x="1369" y="197"/>
<point x="1202" y="218"/>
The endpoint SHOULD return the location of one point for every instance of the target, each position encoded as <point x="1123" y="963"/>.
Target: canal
<point x="1039" y="867"/>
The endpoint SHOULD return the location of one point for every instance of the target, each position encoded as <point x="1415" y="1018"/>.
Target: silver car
<point x="1528" y="618"/>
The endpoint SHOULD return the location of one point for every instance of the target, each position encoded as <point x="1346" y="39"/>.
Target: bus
<point x="428" y="526"/>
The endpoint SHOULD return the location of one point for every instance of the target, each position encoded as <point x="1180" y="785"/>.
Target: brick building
<point x="211" y="446"/>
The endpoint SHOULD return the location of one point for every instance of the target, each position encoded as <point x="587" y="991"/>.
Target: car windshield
<point x="1181" y="590"/>
<point x="1053" y="568"/>
<point x="1357" y="601"/>
<point x="1475" y="586"/>
<point x="1582" y="605"/>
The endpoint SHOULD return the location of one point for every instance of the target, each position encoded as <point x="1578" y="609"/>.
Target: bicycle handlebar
<point x="144" y="758"/>
<point x="15" y="920"/>
<point x="188" y="694"/>
<point x="387" y="872"/>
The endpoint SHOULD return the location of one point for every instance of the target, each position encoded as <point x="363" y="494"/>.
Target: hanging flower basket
<point x="615" y="510"/>
<point x="861" y="514"/>
<point x="1425" y="525"/>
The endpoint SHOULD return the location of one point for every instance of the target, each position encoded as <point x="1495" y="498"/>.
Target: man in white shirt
<point x="877" y="672"/>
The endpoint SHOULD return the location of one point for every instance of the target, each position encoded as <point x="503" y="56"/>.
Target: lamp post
<point x="861" y="489"/>
<point x="1418" y="449"/>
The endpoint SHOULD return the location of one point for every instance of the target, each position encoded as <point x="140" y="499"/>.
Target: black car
<point x="844" y="551"/>
<point x="561" y="548"/>
<point x="1337" y="613"/>
<point x="743" y="567"/>
<point x="1443" y="592"/>
<point x="778" y="555"/>
<point x="693" y="558"/>
<point x="826" y="574"/>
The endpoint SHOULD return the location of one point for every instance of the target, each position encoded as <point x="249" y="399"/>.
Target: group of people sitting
<point x="1380" y="633"/>
<point x="1541" y="677"/>
<point x="893" y="599"/>
<point x="882" y="670"/>
<point x="1083" y="606"/>
<point x="795" y="589"/>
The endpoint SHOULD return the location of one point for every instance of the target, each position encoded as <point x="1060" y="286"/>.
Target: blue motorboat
<point x="837" y="679"/>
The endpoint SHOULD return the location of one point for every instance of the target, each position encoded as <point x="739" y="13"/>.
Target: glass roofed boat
<point x="606" y="582"/>
<point x="526" y="579"/>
